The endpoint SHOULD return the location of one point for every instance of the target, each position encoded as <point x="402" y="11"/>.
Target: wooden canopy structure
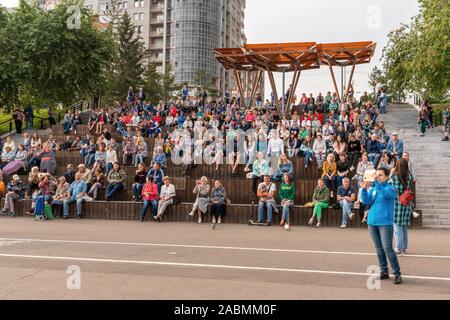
<point x="291" y="57"/>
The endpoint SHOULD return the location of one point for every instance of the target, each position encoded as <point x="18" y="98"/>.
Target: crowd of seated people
<point x="343" y="138"/>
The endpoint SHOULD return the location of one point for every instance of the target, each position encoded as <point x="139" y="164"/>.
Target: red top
<point x="249" y="117"/>
<point x="157" y="119"/>
<point x="150" y="191"/>
<point x="319" y="117"/>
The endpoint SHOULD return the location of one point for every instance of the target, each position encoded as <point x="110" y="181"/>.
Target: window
<point x="136" y="3"/>
<point x="141" y="16"/>
<point x="125" y="5"/>
<point x="136" y="16"/>
<point x="141" y="3"/>
<point x="141" y="29"/>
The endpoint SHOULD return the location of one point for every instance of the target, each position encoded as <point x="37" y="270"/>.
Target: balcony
<point x="156" y="46"/>
<point x="157" y="21"/>
<point x="156" y="34"/>
<point x="157" y="9"/>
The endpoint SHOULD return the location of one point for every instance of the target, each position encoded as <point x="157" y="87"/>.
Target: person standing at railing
<point x="51" y="117"/>
<point x="29" y="115"/>
<point x="18" y="119"/>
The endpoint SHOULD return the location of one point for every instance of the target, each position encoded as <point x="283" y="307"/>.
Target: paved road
<point x="133" y="260"/>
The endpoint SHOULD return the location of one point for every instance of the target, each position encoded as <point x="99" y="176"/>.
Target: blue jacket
<point x="398" y="147"/>
<point x="157" y="175"/>
<point x="381" y="198"/>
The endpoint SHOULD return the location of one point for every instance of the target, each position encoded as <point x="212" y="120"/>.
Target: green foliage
<point x="127" y="68"/>
<point x="417" y="56"/>
<point x="152" y="83"/>
<point x="42" y="60"/>
<point x="167" y="82"/>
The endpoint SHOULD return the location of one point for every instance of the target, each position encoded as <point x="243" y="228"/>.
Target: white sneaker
<point x="351" y="215"/>
<point x="219" y="220"/>
<point x="416" y="214"/>
<point x="343" y="226"/>
<point x="199" y="220"/>
<point x="213" y="220"/>
<point x="287" y="227"/>
<point x="191" y="214"/>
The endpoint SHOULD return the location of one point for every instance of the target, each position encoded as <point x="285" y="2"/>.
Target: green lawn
<point x="43" y="113"/>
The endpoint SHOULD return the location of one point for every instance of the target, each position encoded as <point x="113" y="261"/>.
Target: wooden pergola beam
<point x="239" y="83"/>
<point x="293" y="86"/>
<point x="274" y="91"/>
<point x="334" y="80"/>
<point x="350" y="81"/>
<point x="255" y="85"/>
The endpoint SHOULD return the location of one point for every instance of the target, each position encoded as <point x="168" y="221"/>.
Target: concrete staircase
<point x="431" y="158"/>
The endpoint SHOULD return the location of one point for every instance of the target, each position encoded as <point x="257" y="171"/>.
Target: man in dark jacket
<point x="373" y="150"/>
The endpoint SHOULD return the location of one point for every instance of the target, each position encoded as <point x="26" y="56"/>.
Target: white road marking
<point x="222" y="247"/>
<point x="201" y="265"/>
<point x="4" y="243"/>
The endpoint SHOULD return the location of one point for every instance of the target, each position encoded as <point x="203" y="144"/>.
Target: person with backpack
<point x="402" y="181"/>
<point x="381" y="197"/>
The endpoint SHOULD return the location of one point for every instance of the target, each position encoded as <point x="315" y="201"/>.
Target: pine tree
<point x="167" y="82"/>
<point x="129" y="67"/>
<point x="152" y="83"/>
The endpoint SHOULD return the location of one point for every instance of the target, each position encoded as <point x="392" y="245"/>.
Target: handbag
<point x="228" y="201"/>
<point x="249" y="175"/>
<point x="406" y="197"/>
<point x="309" y="204"/>
<point x="176" y="200"/>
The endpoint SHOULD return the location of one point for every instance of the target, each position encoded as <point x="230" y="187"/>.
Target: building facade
<point x="182" y="33"/>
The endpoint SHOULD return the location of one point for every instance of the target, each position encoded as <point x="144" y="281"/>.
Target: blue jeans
<point x="29" y="123"/>
<point x="112" y="189"/>
<point x="137" y="190"/>
<point x="89" y="159"/>
<point x="83" y="153"/>
<point x="138" y="158"/>
<point x="67" y="203"/>
<point x="66" y="126"/>
<point x="109" y="167"/>
<point x="261" y="206"/>
<point x="286" y="209"/>
<point x="34" y="162"/>
<point x="382" y="238"/>
<point x="346" y="210"/>
<point x="401" y="237"/>
<point x="153" y="204"/>
<point x="382" y="108"/>
<point x="374" y="157"/>
<point x="308" y="157"/>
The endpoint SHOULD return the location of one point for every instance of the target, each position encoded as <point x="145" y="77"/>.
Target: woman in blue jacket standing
<point x="381" y="198"/>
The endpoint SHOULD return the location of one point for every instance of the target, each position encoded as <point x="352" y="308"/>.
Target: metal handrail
<point x="78" y="106"/>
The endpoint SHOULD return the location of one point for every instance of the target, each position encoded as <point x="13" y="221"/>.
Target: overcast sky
<point x="268" y="21"/>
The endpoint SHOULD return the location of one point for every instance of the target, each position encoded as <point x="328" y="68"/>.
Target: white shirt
<point x="276" y="146"/>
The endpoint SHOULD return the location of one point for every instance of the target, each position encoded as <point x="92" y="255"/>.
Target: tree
<point x="417" y="56"/>
<point x="376" y="78"/>
<point x="167" y="82"/>
<point x="152" y="83"/>
<point x="128" y="66"/>
<point x="45" y="60"/>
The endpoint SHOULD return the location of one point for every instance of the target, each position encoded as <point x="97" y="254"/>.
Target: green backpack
<point x="48" y="212"/>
